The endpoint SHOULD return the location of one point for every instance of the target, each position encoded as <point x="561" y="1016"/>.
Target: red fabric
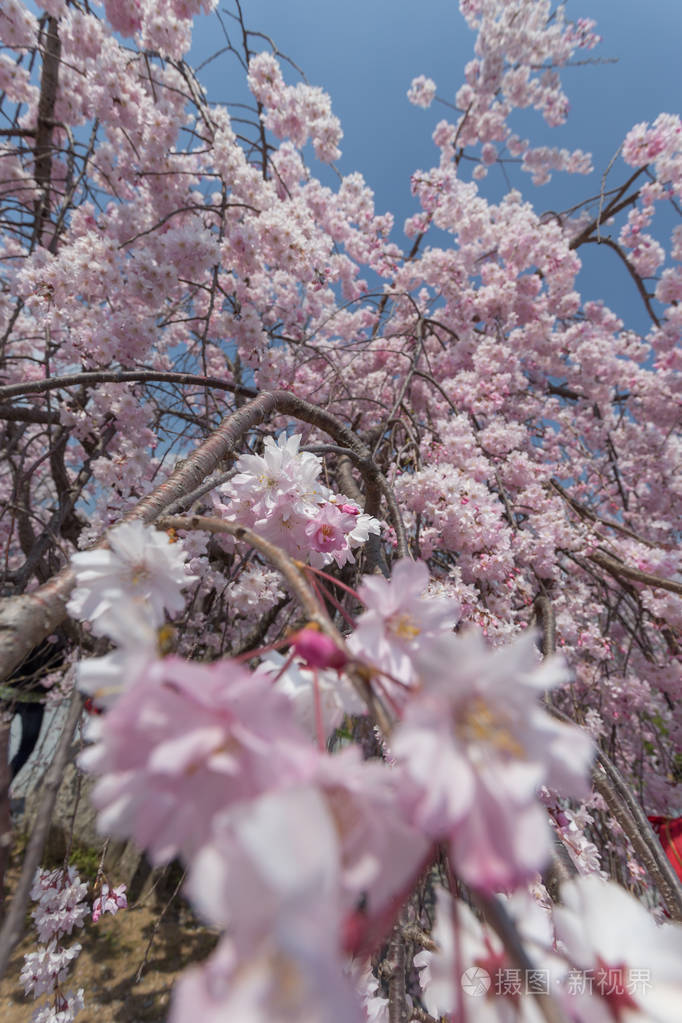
<point x="669" y="830"/>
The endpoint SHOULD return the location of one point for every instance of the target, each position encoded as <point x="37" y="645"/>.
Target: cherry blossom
<point x="140" y="562"/>
<point x="60" y="895"/>
<point x="132" y="625"/>
<point x="280" y="495"/>
<point x="477" y="742"/>
<point x="468" y="954"/>
<point x="399" y="620"/>
<point x="110" y="900"/>
<point x="46" y="969"/>
<point x="422" y="91"/>
<point x="184" y="742"/>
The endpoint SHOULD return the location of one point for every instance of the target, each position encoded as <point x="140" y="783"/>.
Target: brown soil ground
<point x="114" y="950"/>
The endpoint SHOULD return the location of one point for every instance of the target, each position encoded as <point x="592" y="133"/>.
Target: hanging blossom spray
<point x="61" y="905"/>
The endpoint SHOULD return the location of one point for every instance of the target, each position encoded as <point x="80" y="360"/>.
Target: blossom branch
<point x="499" y="919"/>
<point x="397" y="1005"/>
<point x="375" y="481"/>
<point x="611" y="785"/>
<point x="299" y="588"/>
<point x="587" y="513"/>
<point x="27" y="619"/>
<point x="105" y="376"/>
<point x="639" y="283"/>
<point x="13" y="926"/>
<point x="624" y="807"/>
<point x="45" y="123"/>
<point x="618" y="569"/>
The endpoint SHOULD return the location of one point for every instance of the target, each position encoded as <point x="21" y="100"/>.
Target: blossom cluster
<point x="295" y="112"/>
<point x="281" y="838"/>
<point x="139" y="563"/>
<point x="279" y="494"/>
<point x="61" y="906"/>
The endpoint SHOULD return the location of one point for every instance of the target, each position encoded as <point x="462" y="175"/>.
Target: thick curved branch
<point x="26" y="414"/>
<point x="285" y="403"/>
<point x="27" y="619"/>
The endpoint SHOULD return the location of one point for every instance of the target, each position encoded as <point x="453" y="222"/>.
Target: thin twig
<point x="499" y="919"/>
<point x="301" y="591"/>
<point x="625" y="808"/>
<point x="155" y="929"/>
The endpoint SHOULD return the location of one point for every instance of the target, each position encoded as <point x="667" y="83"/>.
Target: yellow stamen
<point x="403" y="626"/>
<point x="481" y="724"/>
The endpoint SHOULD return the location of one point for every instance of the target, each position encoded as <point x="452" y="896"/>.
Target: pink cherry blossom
<point x="185" y="742"/>
<point x="422" y="91"/>
<point x="139" y="562"/>
<point x="46" y="969"/>
<point x="279" y="494"/>
<point x="110" y="900"/>
<point x="477" y="742"/>
<point x="327" y="533"/>
<point x="60" y="896"/>
<point x="399" y="619"/>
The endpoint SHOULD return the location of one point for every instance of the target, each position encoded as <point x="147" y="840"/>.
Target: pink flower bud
<point x="318" y="650"/>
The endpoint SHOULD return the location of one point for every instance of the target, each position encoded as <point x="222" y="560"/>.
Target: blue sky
<point x="366" y="52"/>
